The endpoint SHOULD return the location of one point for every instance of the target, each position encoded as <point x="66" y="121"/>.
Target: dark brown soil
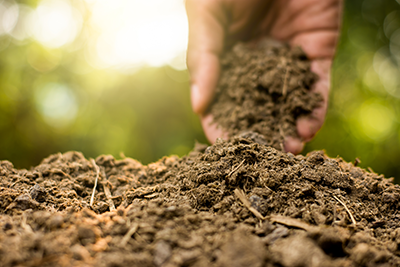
<point x="235" y="203"/>
<point x="264" y="89"/>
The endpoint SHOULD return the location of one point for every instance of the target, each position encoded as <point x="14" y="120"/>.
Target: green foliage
<point x="363" y="116"/>
<point x="145" y="115"/>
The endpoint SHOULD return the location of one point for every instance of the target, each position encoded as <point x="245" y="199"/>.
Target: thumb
<point x="206" y="40"/>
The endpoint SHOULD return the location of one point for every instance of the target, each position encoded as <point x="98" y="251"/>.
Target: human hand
<point x="217" y="24"/>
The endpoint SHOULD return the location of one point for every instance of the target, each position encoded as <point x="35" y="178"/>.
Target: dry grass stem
<point x="129" y="234"/>
<point x="107" y="191"/>
<point x="237" y="168"/>
<point x="348" y="211"/>
<point x="110" y="202"/>
<point x="58" y="171"/>
<point x="292" y="222"/>
<point x="240" y="194"/>
<point x="95" y="182"/>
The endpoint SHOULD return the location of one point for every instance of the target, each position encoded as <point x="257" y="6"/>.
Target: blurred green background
<point x="364" y="113"/>
<point x="105" y="77"/>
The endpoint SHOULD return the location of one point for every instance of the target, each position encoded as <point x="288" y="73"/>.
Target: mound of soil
<point x="235" y="203"/>
<point x="264" y="89"/>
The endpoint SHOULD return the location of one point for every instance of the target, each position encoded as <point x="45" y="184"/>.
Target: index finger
<point x="206" y="41"/>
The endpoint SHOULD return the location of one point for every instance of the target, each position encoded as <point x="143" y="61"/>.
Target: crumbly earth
<point x="235" y="203"/>
<point x="264" y="89"/>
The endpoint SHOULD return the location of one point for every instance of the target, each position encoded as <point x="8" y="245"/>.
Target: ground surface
<point x="264" y="89"/>
<point x="236" y="203"/>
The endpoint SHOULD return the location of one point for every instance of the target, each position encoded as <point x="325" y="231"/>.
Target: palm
<point x="311" y="24"/>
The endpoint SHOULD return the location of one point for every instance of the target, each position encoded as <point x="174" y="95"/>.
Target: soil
<point x="239" y="202"/>
<point x="235" y="203"/>
<point x="264" y="88"/>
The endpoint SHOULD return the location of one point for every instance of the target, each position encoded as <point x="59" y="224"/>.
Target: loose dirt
<point x="238" y="202"/>
<point x="264" y="88"/>
<point x="235" y="203"/>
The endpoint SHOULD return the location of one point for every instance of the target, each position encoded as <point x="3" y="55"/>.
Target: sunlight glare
<point x="21" y="30"/>
<point x="134" y="33"/>
<point x="56" y="23"/>
<point x="10" y="17"/>
<point x="3" y="10"/>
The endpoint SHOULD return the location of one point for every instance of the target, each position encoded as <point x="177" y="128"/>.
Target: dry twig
<point x="292" y="222"/>
<point x="237" y="168"/>
<point x="240" y="194"/>
<point x="95" y="182"/>
<point x="128" y="235"/>
<point x="58" y="171"/>
<point x="110" y="202"/>
<point x="348" y="211"/>
<point x="107" y="191"/>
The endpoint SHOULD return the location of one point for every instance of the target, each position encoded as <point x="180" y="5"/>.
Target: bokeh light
<point x="21" y="30"/>
<point x="376" y="120"/>
<point x="364" y="108"/>
<point x="43" y="60"/>
<point x="103" y="76"/>
<point x="388" y="71"/>
<point x="96" y="76"/>
<point x="57" y="104"/>
<point x="55" y="23"/>
<point x="122" y="34"/>
<point x="133" y="32"/>
<point x="9" y="16"/>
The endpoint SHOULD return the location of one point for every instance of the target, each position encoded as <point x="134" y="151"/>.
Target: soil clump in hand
<point x="264" y="89"/>
<point x="235" y="203"/>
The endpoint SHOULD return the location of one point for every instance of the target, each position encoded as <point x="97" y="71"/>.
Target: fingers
<point x="320" y="48"/>
<point x="208" y="27"/>
<point x="293" y="145"/>
<point x="296" y="17"/>
<point x="317" y="44"/>
<point x="204" y="80"/>
<point x="308" y="126"/>
<point x="211" y="129"/>
<point x="206" y="35"/>
<point x="316" y="30"/>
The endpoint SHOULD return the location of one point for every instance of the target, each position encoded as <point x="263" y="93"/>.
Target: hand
<point x="217" y="24"/>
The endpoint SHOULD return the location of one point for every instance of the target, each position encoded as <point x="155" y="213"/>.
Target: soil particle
<point x="241" y="249"/>
<point x="264" y="88"/>
<point x="299" y="251"/>
<point x="38" y="193"/>
<point x="162" y="252"/>
<point x="291" y="210"/>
